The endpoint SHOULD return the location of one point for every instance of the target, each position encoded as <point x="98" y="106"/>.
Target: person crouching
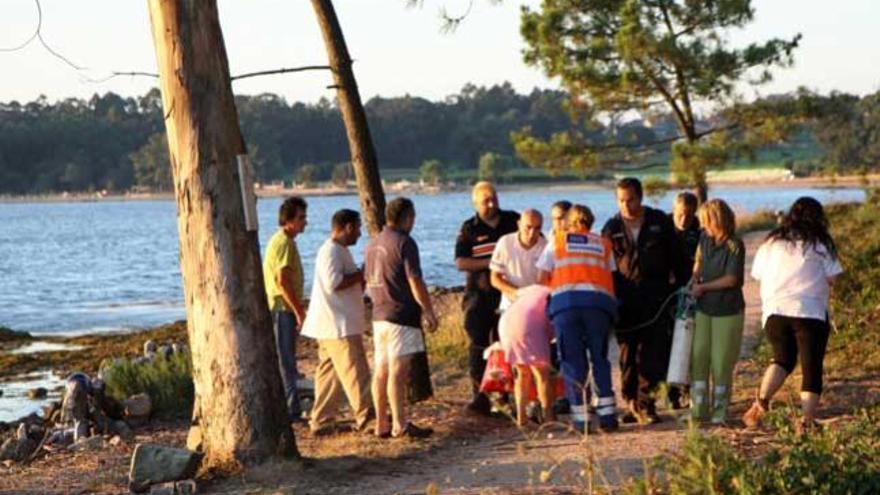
<point x="525" y="334"/>
<point x="578" y="266"/>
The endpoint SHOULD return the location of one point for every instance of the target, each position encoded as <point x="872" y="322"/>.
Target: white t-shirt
<point x="794" y="283"/>
<point x="334" y="314"/>
<point x="516" y="263"/>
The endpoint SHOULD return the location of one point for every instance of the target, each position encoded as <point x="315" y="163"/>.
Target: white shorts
<point x="392" y="341"/>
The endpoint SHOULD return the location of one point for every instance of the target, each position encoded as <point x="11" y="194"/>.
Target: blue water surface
<point x="105" y="266"/>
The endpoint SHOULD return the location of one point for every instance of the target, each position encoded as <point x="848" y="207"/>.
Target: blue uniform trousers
<point x="583" y="332"/>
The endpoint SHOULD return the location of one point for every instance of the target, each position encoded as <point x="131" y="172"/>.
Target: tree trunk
<point x="239" y="399"/>
<point x="701" y="189"/>
<point x="360" y="143"/>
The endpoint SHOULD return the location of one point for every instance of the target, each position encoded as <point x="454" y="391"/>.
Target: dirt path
<point x="467" y="456"/>
<point x="515" y="460"/>
<point x="497" y="458"/>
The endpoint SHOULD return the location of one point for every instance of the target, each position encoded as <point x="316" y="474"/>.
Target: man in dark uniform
<point x="687" y="228"/>
<point x="687" y="225"/>
<point x="473" y="251"/>
<point x="651" y="265"/>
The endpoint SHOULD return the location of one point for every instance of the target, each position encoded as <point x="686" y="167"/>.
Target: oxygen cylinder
<point x="682" y="340"/>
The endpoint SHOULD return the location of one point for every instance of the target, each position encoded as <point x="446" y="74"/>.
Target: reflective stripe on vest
<point x="581" y="264"/>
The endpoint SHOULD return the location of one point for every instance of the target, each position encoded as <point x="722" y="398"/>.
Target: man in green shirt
<point x="283" y="276"/>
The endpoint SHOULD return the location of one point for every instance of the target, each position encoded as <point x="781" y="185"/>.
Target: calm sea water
<point x="105" y="266"/>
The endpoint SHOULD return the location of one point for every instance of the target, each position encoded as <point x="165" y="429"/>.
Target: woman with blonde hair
<point x="720" y="308"/>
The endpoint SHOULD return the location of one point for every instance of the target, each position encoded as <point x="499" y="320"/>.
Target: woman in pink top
<point x="525" y="334"/>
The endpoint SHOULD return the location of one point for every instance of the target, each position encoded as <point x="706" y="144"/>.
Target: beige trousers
<point x="342" y="368"/>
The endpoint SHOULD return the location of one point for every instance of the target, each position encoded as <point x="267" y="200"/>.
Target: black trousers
<point x="644" y="360"/>
<point x="481" y="325"/>
<point x="799" y="339"/>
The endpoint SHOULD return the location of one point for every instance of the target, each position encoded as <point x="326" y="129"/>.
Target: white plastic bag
<point x="682" y="341"/>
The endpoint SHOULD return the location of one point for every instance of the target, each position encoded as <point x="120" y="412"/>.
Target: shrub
<point x="168" y="382"/>
<point x="448" y="345"/>
<point x="843" y="460"/>
<point x="655" y="187"/>
<point x="758" y="220"/>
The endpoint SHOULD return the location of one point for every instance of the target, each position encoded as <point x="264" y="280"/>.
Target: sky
<point x="397" y="50"/>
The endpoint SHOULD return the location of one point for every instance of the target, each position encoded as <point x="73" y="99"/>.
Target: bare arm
<point x="472" y="264"/>
<point x="543" y="277"/>
<point x="285" y="282"/>
<point x="501" y="283"/>
<point x="350" y="280"/>
<point x="720" y="283"/>
<point x="420" y="292"/>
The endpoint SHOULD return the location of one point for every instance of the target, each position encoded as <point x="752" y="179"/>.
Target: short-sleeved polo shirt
<point x="716" y="261"/>
<point x="392" y="258"/>
<point x="477" y="239"/>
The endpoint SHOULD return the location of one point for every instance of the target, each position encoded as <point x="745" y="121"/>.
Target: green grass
<point x="854" y="348"/>
<point x="10" y="335"/>
<point x="841" y="460"/>
<point x="448" y="345"/>
<point x="168" y="382"/>
<point x="755" y="221"/>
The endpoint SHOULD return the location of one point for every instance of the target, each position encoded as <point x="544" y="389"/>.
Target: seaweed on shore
<point x="97" y="348"/>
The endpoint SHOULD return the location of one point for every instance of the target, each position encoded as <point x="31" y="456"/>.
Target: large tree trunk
<point x="360" y="143"/>
<point x="239" y="401"/>
<point x="701" y="189"/>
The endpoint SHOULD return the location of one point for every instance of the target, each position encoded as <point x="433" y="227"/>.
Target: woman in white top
<point x="795" y="267"/>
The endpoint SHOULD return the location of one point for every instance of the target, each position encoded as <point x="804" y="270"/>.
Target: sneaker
<point x="650" y="418"/>
<point x="534" y="412"/>
<point x="629" y="417"/>
<point x="718" y="421"/>
<point x="413" y="431"/>
<point x="561" y="406"/>
<point x="719" y="417"/>
<point x="677" y="403"/>
<point x="752" y="417"/>
<point x="365" y="426"/>
<point x="480" y="406"/>
<point x="582" y="427"/>
<point x="688" y="418"/>
<point x="608" y="424"/>
<point x="647" y="415"/>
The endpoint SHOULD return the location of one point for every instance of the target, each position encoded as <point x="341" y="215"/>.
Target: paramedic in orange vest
<point x="577" y="265"/>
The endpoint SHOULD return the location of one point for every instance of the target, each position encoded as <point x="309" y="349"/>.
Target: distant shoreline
<point x="849" y="181"/>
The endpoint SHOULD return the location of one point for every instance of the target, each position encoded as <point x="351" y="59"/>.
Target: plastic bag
<point x="682" y="340"/>
<point x="498" y="376"/>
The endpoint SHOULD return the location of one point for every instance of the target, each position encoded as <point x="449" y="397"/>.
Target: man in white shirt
<point x="513" y="260"/>
<point x="336" y="319"/>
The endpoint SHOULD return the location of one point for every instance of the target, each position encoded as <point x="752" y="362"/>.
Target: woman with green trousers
<point x="720" y="310"/>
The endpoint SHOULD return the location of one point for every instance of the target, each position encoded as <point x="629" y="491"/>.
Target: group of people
<point x="553" y="302"/>
<point x="336" y="317"/>
<point x="593" y="282"/>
